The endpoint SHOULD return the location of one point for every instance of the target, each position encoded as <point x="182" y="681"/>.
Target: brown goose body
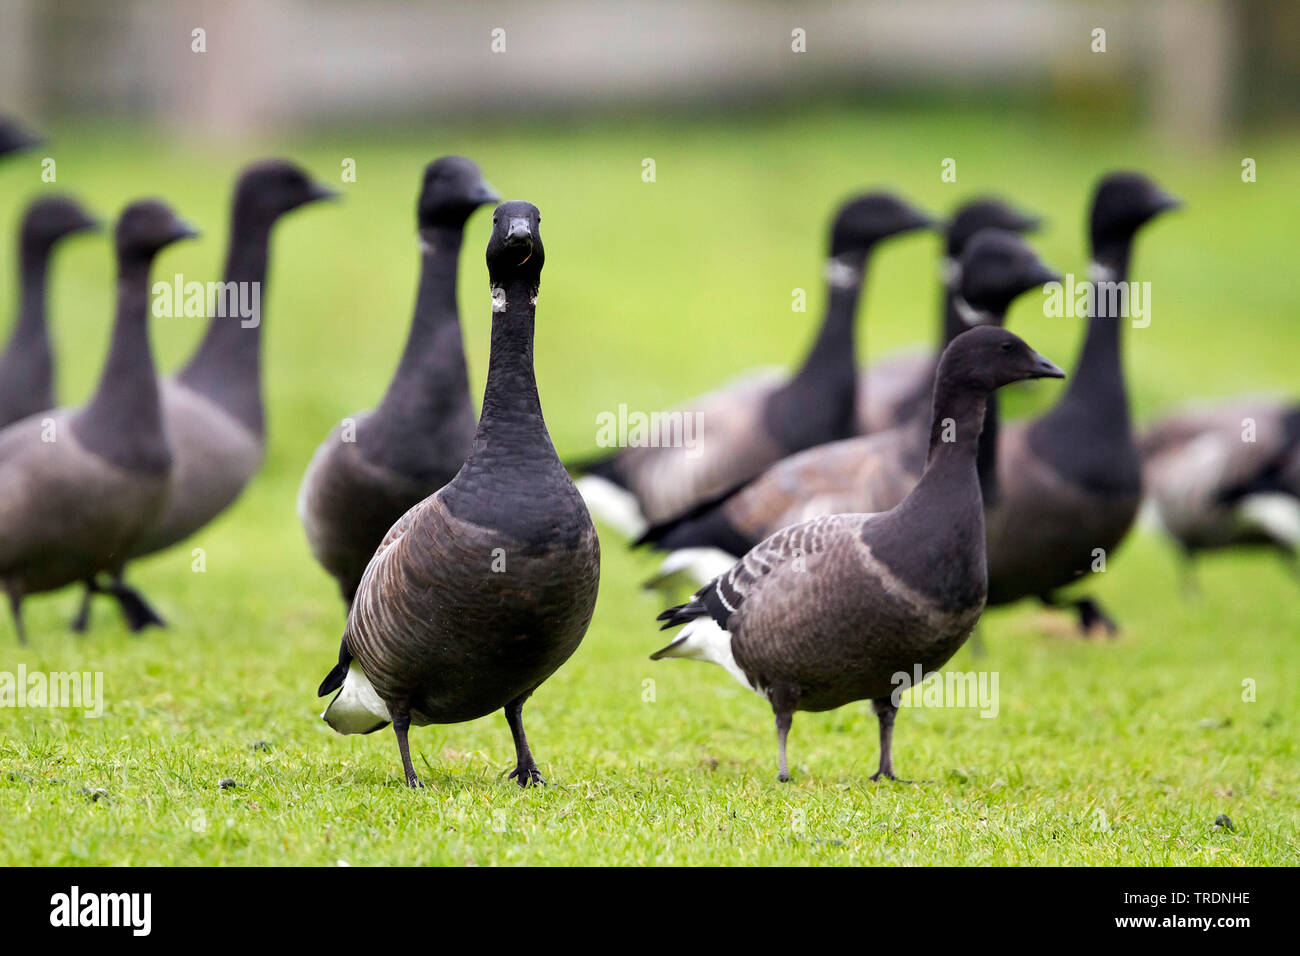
<point x="371" y="469"/>
<point x="348" y="500"/>
<point x="49" y="537"/>
<point x="1200" y="464"/>
<point x="1046" y="530"/>
<point x="437" y="629"/>
<point x="846" y="607"/>
<point x="784" y="638"/>
<point x="481" y="591"/>
<point x="862" y="475"/>
<point x="215" y="456"/>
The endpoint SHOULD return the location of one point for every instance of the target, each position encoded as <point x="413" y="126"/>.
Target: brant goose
<point x="747" y="427"/>
<point x="13" y="138"/>
<point x="481" y="591"/>
<point x="1069" y="483"/>
<point x="847" y="607"/>
<point x="365" y="476"/>
<point x="865" y="474"/>
<point x="212" y="408"/>
<point x="27" y="363"/>
<point x="901" y="386"/>
<point x="1225" y="476"/>
<point x="78" y="486"/>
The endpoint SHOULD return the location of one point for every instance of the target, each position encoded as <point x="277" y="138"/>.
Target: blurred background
<point x="1196" y="69"/>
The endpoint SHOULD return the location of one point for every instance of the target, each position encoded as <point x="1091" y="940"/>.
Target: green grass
<point x="1102" y="753"/>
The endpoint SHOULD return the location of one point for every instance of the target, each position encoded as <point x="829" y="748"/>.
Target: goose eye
<point x="1006" y="346"/>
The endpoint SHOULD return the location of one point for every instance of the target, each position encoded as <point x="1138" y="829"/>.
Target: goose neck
<point x="512" y="410"/>
<point x="124" y="412"/>
<point x="1098" y="379"/>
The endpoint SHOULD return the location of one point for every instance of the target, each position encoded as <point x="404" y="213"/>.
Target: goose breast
<point x="213" y="459"/>
<point x="66" y="513"/>
<point x="457" y="619"/>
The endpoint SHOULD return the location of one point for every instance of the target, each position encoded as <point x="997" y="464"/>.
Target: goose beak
<point x="1044" y="274"/>
<point x="1165" y="202"/>
<point x="484" y="194"/>
<point x="183" y="230"/>
<point x="519" y="233"/>
<point x="923" y="220"/>
<point x="1027" y="223"/>
<point x="1045" y="368"/>
<point x="318" y="192"/>
<point x="14" y="138"/>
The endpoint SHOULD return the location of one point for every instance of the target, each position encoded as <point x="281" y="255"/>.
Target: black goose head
<point x="514" y="252"/>
<point x="452" y="189"/>
<point x="985" y="213"/>
<point x="868" y="219"/>
<point x="146" y="227"/>
<point x="988" y="357"/>
<point x="997" y="267"/>
<point x="1122" y="203"/>
<point x="14" y="138"/>
<point x="53" y="218"/>
<point x="270" y="188"/>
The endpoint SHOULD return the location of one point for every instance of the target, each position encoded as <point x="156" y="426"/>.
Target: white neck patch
<point x="950" y="272"/>
<point x="498" y="299"/>
<point x="969" y="314"/>
<point x="842" y="275"/>
<point x="427" y="248"/>
<point x="1101" y="273"/>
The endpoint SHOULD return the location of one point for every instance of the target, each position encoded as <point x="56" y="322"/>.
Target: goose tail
<point x="613" y="504"/>
<point x="356" y="709"/>
<point x="703" y="639"/>
<point x="699" y="566"/>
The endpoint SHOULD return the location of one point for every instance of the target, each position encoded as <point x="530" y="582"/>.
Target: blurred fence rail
<point x="268" y="63"/>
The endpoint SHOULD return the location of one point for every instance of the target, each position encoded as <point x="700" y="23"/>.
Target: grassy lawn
<point x="1111" y="752"/>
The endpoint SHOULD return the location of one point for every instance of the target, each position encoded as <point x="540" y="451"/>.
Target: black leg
<point x="1091" y="615"/>
<point x="135" y="609"/>
<point x="885" y="713"/>
<point x="1089" y="611"/>
<point x="16" y="609"/>
<point x="525" y="773"/>
<point x="783" y="721"/>
<point x="401" y="724"/>
<point x="82" y="621"/>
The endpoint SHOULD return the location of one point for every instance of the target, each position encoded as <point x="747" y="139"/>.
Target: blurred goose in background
<point x="14" y="138"/>
<point x="212" y="408"/>
<point x="748" y="426"/>
<point x="78" y="487"/>
<point x="897" y="389"/>
<point x="1068" y="485"/>
<point x="480" y="592"/>
<point x="847" y="607"/>
<point x="1225" y="475"/>
<point x="866" y="474"/>
<point x="27" y="363"/>
<point x="376" y="465"/>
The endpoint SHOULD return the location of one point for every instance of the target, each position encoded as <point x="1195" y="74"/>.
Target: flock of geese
<point x="841" y="526"/>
